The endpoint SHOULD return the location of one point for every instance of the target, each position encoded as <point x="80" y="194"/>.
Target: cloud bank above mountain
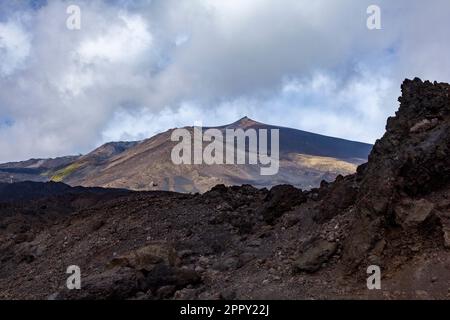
<point x="140" y="67"/>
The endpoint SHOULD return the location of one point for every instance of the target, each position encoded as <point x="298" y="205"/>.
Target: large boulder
<point x="117" y="283"/>
<point x="411" y="213"/>
<point x="164" y="275"/>
<point x="147" y="257"/>
<point x="315" y="255"/>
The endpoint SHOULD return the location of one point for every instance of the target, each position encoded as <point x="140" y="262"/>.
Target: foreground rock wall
<point x="405" y="183"/>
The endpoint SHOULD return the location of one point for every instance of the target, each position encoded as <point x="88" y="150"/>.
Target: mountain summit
<point x="244" y="123"/>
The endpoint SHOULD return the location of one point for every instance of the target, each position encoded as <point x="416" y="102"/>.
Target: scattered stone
<point x="186" y="294"/>
<point x="228" y="294"/>
<point x="199" y="269"/>
<point x="246" y="257"/>
<point x="185" y="253"/>
<point x="165" y="292"/>
<point x="445" y="222"/>
<point x="411" y="213"/>
<point x="116" y="283"/>
<point x="318" y="253"/>
<point x="254" y="243"/>
<point x="147" y="257"/>
<point x="163" y="275"/>
<point x="204" y="261"/>
<point x="53" y="296"/>
<point x="228" y="264"/>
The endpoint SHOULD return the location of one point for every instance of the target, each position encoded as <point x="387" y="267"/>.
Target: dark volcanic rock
<point x="147" y="257"/>
<point x="117" y="283"/>
<point x="315" y="255"/>
<point x="28" y="190"/>
<point x="411" y="213"/>
<point x="279" y="200"/>
<point x="163" y="275"/>
<point x="337" y="197"/>
<point x="405" y="167"/>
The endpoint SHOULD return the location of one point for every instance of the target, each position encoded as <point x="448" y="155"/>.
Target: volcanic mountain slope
<point x="92" y="163"/>
<point x="33" y="170"/>
<point x="305" y="160"/>
<point x="41" y="170"/>
<point x="248" y="243"/>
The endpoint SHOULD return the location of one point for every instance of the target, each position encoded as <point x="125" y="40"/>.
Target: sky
<point x="139" y="67"/>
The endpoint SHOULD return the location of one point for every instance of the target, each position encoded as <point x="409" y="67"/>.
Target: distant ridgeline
<point x="305" y="159"/>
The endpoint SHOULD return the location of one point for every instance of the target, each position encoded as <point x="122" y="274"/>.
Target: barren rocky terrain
<point x="249" y="243"/>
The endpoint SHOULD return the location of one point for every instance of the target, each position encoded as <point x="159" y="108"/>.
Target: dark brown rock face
<point x="279" y="200"/>
<point x="407" y="161"/>
<point x="409" y="164"/>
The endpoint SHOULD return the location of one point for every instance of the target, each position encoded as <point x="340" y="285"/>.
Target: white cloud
<point x="120" y="48"/>
<point x="127" y="39"/>
<point x="14" y="47"/>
